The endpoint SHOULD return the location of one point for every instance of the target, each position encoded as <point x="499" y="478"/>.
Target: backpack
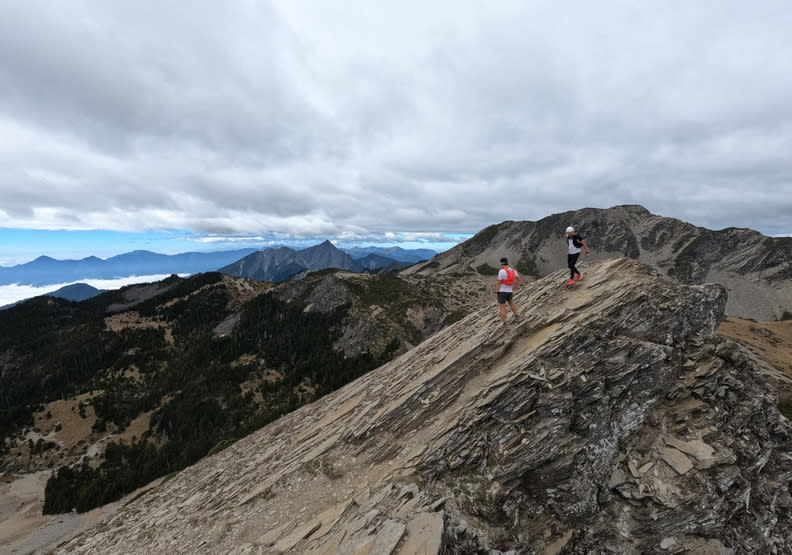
<point x="511" y="275"/>
<point x="576" y="240"/>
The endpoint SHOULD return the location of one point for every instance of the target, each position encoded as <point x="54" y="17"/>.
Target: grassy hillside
<point x="190" y="365"/>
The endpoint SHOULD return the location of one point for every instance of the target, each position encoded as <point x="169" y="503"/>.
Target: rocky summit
<point x="610" y="418"/>
<point x="754" y="269"/>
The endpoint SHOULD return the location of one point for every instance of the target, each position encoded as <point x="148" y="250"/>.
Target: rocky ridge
<point x="754" y="269"/>
<point x="610" y="419"/>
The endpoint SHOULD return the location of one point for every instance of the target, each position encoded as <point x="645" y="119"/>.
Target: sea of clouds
<point x="12" y="293"/>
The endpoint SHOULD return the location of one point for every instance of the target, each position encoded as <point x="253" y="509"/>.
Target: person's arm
<point x="517" y="281"/>
<point x="585" y="246"/>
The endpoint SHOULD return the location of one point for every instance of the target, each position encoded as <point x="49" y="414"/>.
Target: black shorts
<point x="504" y="297"/>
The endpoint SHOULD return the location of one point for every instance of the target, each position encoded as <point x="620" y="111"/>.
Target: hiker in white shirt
<point x="508" y="281"/>
<point x="574" y="242"/>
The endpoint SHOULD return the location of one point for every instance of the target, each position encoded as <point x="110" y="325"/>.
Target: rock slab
<point x="610" y="419"/>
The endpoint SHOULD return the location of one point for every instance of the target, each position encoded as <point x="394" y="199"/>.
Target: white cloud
<point x="13" y="293"/>
<point x="349" y="119"/>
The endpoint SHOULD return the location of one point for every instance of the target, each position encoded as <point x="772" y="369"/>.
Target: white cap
<point x="570" y="229"/>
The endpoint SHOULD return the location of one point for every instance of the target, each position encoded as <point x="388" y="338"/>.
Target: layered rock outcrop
<point x="610" y="418"/>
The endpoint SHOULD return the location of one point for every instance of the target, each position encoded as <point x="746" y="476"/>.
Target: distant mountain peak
<point x="284" y="263"/>
<point x="76" y="292"/>
<point x="324" y="245"/>
<point x="45" y="270"/>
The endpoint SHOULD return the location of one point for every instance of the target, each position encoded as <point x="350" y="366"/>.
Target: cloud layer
<point x="354" y="120"/>
<point x="13" y="293"/>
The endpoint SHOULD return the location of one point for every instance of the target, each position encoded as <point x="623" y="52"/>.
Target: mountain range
<point x="45" y="270"/>
<point x="74" y="292"/>
<point x="279" y="264"/>
<point x="276" y="265"/>
<point x="756" y="270"/>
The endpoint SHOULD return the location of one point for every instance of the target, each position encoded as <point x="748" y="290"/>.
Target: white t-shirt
<point x="572" y="248"/>
<point x="503" y="275"/>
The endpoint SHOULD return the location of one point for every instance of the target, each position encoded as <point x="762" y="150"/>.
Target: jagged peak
<point x="324" y="245"/>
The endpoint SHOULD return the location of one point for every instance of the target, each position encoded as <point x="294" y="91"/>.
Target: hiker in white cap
<point x="574" y="242"/>
<point x="508" y="281"/>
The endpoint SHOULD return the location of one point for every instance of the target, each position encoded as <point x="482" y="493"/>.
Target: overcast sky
<point x="376" y="121"/>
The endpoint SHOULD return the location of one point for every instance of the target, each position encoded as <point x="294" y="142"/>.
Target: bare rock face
<point x="610" y="418"/>
<point x="329" y="294"/>
<point x="754" y="269"/>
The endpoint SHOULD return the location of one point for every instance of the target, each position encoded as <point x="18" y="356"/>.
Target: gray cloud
<point x="350" y="119"/>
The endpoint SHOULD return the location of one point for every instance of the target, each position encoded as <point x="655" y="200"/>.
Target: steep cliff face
<point x="610" y="418"/>
<point x="755" y="269"/>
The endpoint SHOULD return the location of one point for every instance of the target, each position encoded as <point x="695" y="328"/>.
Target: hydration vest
<point x="511" y="275"/>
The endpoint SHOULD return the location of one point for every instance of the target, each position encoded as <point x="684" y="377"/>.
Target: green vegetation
<point x="383" y="288"/>
<point x="210" y="408"/>
<point x="55" y="349"/>
<point x="220" y="446"/>
<point x="527" y="266"/>
<point x="476" y="244"/>
<point x="455" y="316"/>
<point x="52" y="350"/>
<point x="487" y="270"/>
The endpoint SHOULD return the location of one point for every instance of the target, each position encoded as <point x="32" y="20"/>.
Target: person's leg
<point x="502" y="299"/>
<point x="572" y="260"/>
<point x="513" y="308"/>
